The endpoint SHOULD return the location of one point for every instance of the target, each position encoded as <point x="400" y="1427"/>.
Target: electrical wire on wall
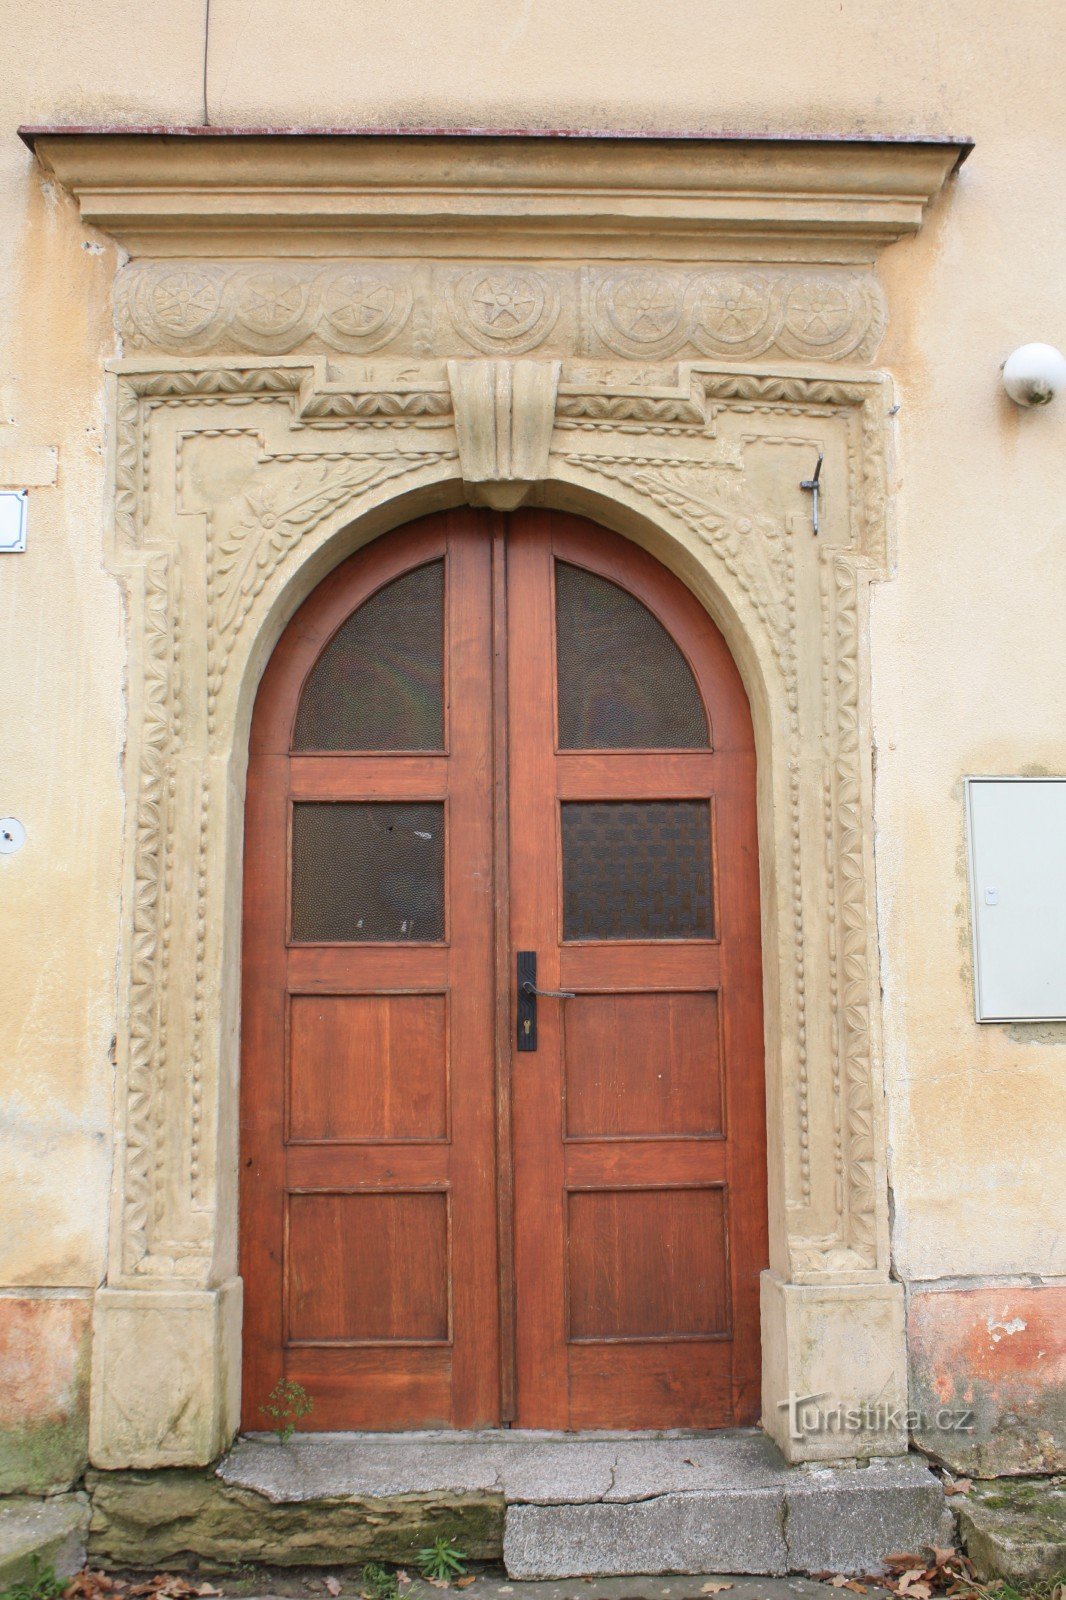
<point x="207" y="34"/>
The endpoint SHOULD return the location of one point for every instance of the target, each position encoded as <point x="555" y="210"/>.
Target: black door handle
<point x="527" y="999"/>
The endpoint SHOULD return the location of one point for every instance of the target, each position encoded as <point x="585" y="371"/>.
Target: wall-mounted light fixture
<point x="1034" y="374"/>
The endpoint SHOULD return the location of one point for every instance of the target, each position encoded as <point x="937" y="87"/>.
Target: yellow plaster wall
<point x="969" y="660"/>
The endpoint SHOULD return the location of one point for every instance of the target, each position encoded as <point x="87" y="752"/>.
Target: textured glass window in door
<point x="623" y="682"/>
<point x="367" y="873"/>
<point x="379" y="683"/>
<point x="637" y="869"/>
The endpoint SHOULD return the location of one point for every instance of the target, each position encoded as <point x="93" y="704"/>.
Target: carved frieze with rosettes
<point x="728" y="311"/>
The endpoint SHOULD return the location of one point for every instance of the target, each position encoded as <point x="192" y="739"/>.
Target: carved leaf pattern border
<point x="242" y="557"/>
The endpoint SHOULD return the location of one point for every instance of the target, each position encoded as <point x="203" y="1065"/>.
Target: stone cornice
<point x="194" y="194"/>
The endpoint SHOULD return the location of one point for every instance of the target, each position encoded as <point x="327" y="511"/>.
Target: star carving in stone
<point x="359" y="305"/>
<point x="736" y="311"/>
<point x="645" y="309"/>
<point x="820" y="313"/>
<point x="184" y="300"/>
<point x="369" y="306"/>
<point x="270" y="304"/>
<point x="504" y="303"/>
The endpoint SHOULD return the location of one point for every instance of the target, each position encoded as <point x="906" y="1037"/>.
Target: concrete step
<point x="36" y="1535"/>
<point x="590" y="1505"/>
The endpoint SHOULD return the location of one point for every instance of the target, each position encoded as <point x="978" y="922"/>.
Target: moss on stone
<point x="44" y="1458"/>
<point x="171" y="1516"/>
<point x="1016" y="1530"/>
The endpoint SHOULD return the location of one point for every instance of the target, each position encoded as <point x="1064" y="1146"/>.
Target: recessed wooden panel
<point x="647" y="1264"/>
<point x="642" y="1065"/>
<point x="368" y="1267"/>
<point x="671" y="1383"/>
<point x="368" y="1067"/>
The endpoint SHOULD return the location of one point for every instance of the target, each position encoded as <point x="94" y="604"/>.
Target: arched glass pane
<point x="623" y="683"/>
<point x="379" y="683"/>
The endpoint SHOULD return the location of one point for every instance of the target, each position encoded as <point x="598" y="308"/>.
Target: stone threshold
<point x="605" y="1504"/>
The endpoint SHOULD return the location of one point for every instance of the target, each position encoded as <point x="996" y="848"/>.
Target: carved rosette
<point x="264" y="307"/>
<point x="727" y="313"/>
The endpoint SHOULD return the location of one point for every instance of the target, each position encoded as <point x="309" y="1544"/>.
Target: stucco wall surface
<point x="968" y="648"/>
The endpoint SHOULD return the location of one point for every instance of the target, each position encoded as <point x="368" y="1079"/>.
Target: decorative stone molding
<point x="277" y="473"/>
<point x="727" y="312"/>
<point x="653" y="338"/>
<point x="237" y="487"/>
<point x="504" y="416"/>
<point x="215" y="192"/>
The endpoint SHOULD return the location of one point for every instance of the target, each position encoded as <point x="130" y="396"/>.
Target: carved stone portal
<point x="244" y="475"/>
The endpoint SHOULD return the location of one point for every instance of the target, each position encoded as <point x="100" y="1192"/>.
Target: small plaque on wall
<point x="1017" y="840"/>
<point x="13" y="518"/>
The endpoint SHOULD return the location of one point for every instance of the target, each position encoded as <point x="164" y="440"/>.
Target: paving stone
<point x="731" y="1531"/>
<point x="53" y="1530"/>
<point x="1016" y="1529"/>
<point x="849" y="1519"/>
<point x="723" y="1461"/>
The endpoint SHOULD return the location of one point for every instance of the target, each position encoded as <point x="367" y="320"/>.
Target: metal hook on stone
<point x="814" y="487"/>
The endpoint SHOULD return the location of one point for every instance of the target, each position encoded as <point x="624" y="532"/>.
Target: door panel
<point x="641" y="1065"/>
<point x="638" y="1120"/>
<point x="369" y="1185"/>
<point x="483" y="735"/>
<point x="368" y="1067"/>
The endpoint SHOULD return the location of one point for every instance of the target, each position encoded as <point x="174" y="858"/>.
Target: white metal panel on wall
<point x="1017" y="836"/>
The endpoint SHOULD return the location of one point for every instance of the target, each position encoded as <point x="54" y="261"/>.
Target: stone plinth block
<point x="166" y="1375"/>
<point x="834" y="1369"/>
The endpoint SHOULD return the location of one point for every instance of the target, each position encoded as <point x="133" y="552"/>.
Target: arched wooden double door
<point x="481" y="738"/>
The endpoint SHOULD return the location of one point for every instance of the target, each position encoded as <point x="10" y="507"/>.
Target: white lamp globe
<point x="1034" y="374"/>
